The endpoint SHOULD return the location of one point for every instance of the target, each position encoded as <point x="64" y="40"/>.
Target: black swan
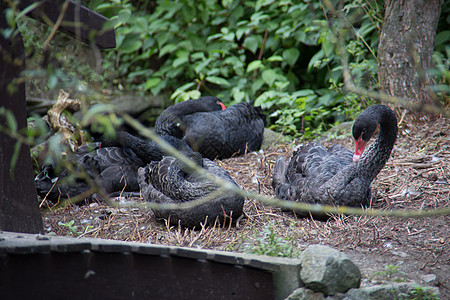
<point x="115" y="169"/>
<point x="169" y="182"/>
<point x="318" y="175"/>
<point x="112" y="164"/>
<point x="216" y="133"/>
<point x="171" y="120"/>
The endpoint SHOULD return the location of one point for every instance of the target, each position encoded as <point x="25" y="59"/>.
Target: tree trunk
<point x="406" y="47"/>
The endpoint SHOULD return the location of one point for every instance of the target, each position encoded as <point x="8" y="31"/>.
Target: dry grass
<point x="416" y="177"/>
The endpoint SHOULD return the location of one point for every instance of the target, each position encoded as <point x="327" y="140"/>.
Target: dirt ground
<point x="386" y="249"/>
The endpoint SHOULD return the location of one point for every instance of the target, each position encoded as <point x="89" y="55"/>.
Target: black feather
<point x="329" y="176"/>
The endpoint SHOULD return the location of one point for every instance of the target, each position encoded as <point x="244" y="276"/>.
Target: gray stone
<point x="305" y="294"/>
<point x="327" y="270"/>
<point x="272" y="138"/>
<point x="430" y="279"/>
<point x="398" y="290"/>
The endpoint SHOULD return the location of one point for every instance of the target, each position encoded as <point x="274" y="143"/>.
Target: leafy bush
<point x="283" y="55"/>
<point x="280" y="54"/>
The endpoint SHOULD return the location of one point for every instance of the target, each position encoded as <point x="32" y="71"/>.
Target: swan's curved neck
<point x="379" y="152"/>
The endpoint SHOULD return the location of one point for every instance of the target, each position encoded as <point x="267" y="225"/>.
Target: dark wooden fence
<point x="19" y="209"/>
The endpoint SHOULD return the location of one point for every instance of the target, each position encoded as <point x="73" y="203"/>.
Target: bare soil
<point x="386" y="249"/>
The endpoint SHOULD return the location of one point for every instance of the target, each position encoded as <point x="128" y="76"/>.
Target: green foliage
<point x="391" y="273"/>
<point x="75" y="230"/>
<point x="284" y="55"/>
<point x="423" y="293"/>
<point x="268" y="242"/>
<point x="280" y="54"/>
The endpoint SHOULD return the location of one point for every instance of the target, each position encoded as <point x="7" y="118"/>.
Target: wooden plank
<point x="78" y="21"/>
<point x="91" y="268"/>
<point x="19" y="209"/>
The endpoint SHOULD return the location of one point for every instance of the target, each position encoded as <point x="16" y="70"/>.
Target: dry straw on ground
<point x="416" y="177"/>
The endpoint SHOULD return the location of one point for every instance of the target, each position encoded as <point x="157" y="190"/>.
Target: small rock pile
<point x="329" y="274"/>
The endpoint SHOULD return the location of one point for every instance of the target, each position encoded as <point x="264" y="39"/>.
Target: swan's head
<point x="221" y="105"/>
<point x="208" y="103"/>
<point x="363" y="129"/>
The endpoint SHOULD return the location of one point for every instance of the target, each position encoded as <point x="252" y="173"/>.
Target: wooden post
<point x="19" y="209"/>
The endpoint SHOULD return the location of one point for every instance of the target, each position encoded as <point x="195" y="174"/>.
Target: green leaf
<point x="103" y="6"/>
<point x="275" y="58"/>
<point x="181" y="90"/>
<point x="198" y="68"/>
<point x="228" y="37"/>
<point x="442" y="37"/>
<point x="238" y="95"/>
<point x="95" y="110"/>
<point x="179" y="61"/>
<point x="327" y="45"/>
<point x="254" y="65"/>
<point x="169" y="48"/>
<point x="131" y="43"/>
<point x="152" y="82"/>
<point x="217" y="80"/>
<point x="240" y="32"/>
<point x="14" y="158"/>
<point x="9" y="14"/>
<point x="251" y="43"/>
<point x="256" y="85"/>
<point x="291" y="55"/>
<point x="11" y="121"/>
<point x="198" y="56"/>
<point x="315" y="60"/>
<point x="124" y="15"/>
<point x="269" y="76"/>
<point x="161" y="38"/>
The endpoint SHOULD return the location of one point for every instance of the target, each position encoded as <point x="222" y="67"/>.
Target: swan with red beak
<point x="360" y="145"/>
<point x="337" y="176"/>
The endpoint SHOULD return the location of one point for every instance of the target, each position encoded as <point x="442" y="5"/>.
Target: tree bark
<point x="406" y="47"/>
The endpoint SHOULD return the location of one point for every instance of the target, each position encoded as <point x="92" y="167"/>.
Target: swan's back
<point x="166" y="182"/>
<point x="315" y="162"/>
<point x="310" y="169"/>
<point x="221" y="134"/>
<point x="171" y="120"/>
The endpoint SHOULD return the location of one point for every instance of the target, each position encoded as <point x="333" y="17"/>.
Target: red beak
<point x="359" y="148"/>
<point x="222" y="105"/>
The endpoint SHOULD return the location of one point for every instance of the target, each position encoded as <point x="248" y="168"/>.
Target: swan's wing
<point x="120" y="178"/>
<point x="165" y="182"/>
<point x="311" y="167"/>
<point x="97" y="161"/>
<point x="221" y="134"/>
<point x="171" y="120"/>
<point x="149" y="187"/>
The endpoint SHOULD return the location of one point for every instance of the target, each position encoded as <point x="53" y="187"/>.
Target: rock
<point x="305" y="294"/>
<point x="272" y="138"/>
<point x="327" y="270"/>
<point x="398" y="290"/>
<point x="430" y="279"/>
<point x="400" y="253"/>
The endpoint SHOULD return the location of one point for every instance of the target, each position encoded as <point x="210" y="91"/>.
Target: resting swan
<point x="335" y="176"/>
